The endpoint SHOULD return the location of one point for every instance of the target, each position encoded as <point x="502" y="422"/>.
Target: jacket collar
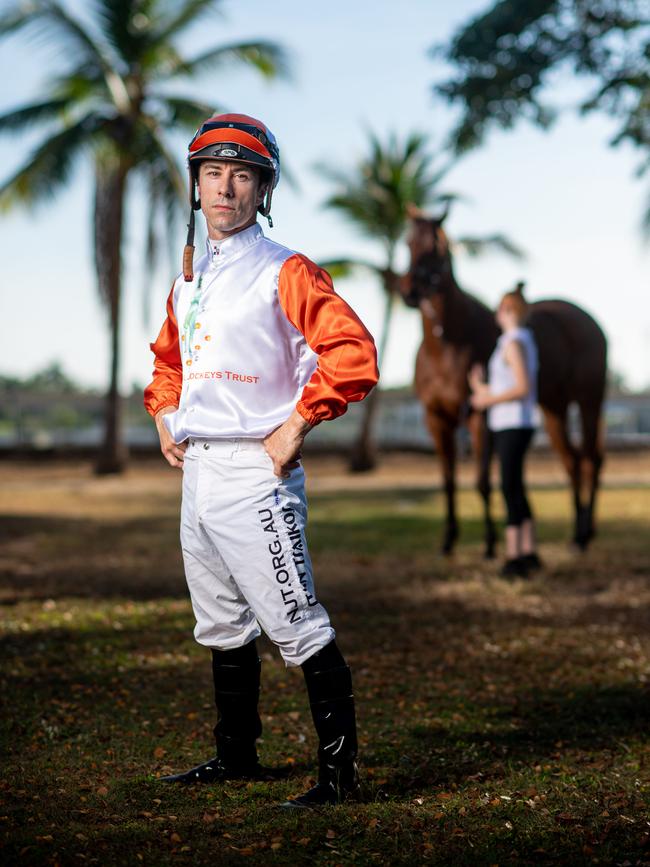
<point x="219" y="251"/>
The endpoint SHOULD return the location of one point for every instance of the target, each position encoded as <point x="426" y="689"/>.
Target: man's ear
<point x="261" y="191"/>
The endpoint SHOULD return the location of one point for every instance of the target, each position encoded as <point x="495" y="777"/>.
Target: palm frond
<point x="22" y="118"/>
<point x="128" y="26"/>
<point x="49" y="166"/>
<point x="84" y="82"/>
<point x="49" y="16"/>
<point x="174" y="24"/>
<point x="268" y="58"/>
<point x="157" y="154"/>
<point x="477" y="246"/>
<point x="151" y="244"/>
<point x="339" y="269"/>
<point x="183" y="112"/>
<point x="166" y="196"/>
<point x="645" y="222"/>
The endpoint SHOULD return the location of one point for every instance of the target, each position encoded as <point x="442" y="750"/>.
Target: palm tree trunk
<point x="363" y="456"/>
<point x="109" y="218"/>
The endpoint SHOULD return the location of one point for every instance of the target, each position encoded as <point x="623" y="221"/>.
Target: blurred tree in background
<point x="113" y="106"/>
<point x="504" y="59"/>
<point x="376" y="197"/>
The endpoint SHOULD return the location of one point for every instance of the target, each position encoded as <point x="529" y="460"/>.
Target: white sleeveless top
<point x="513" y="413"/>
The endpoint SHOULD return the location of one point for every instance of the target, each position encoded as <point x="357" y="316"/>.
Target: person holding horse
<point x="510" y="396"/>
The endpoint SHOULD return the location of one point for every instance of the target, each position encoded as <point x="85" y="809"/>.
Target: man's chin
<point x="225" y="225"/>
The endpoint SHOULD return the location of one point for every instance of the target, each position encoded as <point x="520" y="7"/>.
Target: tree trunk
<point x="363" y="456"/>
<point x="109" y="217"/>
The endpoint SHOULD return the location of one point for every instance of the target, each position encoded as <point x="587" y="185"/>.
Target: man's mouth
<point x="223" y="208"/>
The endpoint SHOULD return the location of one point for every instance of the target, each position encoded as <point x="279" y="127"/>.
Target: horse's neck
<point x="432" y="335"/>
<point x="434" y="331"/>
<point x="466" y="322"/>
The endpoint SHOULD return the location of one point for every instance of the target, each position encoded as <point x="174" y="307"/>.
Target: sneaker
<point x="515" y="568"/>
<point x="532" y="562"/>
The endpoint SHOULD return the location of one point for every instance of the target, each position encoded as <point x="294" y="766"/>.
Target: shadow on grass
<point x="49" y="558"/>
<point x="59" y="679"/>
<point x="543" y="728"/>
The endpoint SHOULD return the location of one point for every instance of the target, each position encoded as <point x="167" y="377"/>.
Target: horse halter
<point x="427" y="277"/>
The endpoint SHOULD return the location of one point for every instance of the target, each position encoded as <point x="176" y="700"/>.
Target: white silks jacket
<point x="259" y="332"/>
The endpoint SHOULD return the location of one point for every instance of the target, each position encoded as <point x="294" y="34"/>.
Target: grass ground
<point x="502" y="723"/>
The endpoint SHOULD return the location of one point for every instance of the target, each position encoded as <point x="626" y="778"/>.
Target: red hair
<point x="515" y="302"/>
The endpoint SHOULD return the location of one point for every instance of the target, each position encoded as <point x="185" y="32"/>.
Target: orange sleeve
<point x="347" y="359"/>
<point x="166" y="386"/>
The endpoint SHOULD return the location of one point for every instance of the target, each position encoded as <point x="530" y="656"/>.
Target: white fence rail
<point x="55" y="421"/>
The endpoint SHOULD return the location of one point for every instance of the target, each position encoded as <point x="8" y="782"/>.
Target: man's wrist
<point x="299" y="423"/>
<point x="165" y="410"/>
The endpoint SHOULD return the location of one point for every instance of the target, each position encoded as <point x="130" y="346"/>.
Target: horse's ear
<point x="414" y="212"/>
<point x="441" y="219"/>
<point x="519" y="288"/>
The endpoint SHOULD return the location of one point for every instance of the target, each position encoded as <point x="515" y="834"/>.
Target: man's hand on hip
<point x="173" y="452"/>
<point x="284" y="443"/>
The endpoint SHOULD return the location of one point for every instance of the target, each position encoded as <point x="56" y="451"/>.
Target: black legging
<point x="511" y="446"/>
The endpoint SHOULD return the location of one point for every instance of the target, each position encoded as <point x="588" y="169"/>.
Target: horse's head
<point x="430" y="267"/>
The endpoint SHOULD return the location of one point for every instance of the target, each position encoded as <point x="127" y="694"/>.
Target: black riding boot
<point x="236" y="676"/>
<point x="329" y="685"/>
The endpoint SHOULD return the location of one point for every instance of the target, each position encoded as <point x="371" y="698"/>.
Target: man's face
<point x="230" y="193"/>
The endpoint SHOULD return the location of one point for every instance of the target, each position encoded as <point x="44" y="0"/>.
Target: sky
<point x="564" y="196"/>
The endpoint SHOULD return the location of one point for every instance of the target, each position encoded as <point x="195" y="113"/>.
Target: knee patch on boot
<point x="245" y="655"/>
<point x="334" y="684"/>
<point x="329" y="657"/>
<point x="234" y="679"/>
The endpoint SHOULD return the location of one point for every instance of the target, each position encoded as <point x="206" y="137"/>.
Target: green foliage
<point x="52" y="379"/>
<point x="504" y="56"/>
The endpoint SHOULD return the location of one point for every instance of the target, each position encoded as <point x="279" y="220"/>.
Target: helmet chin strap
<point x="188" y="251"/>
<point x="265" y="209"/>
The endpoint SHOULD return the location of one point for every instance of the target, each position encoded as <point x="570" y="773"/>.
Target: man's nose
<point x="225" y="186"/>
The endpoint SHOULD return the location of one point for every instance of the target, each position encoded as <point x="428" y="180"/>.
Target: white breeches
<point x="245" y="552"/>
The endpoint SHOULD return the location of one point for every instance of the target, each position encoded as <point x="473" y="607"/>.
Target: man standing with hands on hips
<point x="256" y="349"/>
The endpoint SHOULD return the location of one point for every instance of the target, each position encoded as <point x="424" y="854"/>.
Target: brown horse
<point x="458" y="332"/>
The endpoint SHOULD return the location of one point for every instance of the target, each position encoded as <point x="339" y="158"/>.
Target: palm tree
<point x="376" y="197"/>
<point x="113" y="105"/>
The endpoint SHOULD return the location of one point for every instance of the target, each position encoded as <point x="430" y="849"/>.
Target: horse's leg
<point x="591" y="463"/>
<point x="442" y="432"/>
<point x="556" y="427"/>
<point x="482" y="444"/>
